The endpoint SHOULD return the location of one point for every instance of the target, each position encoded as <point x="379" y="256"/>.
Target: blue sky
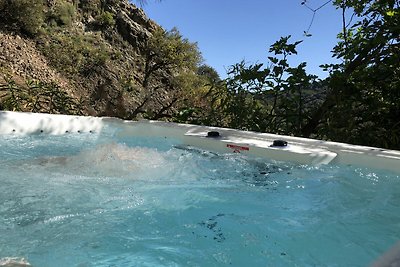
<point x="229" y="31"/>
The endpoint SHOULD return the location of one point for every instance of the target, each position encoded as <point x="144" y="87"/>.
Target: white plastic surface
<point x="36" y="123"/>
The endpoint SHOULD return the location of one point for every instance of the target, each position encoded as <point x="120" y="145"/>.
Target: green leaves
<point x="64" y="13"/>
<point x="170" y="49"/>
<point x="391" y="13"/>
<point x="75" y="53"/>
<point x="26" y="16"/>
<point x="269" y="97"/>
<point x="365" y="86"/>
<point x="170" y="66"/>
<point x="37" y="96"/>
<point x="282" y="47"/>
<point x="105" y="20"/>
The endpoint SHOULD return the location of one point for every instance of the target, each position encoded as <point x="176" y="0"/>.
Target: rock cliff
<point x="93" y="50"/>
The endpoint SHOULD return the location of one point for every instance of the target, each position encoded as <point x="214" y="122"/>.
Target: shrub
<point x="90" y="7"/>
<point x="75" y="53"/>
<point x="63" y="14"/>
<point x="25" y="16"/>
<point x="105" y="20"/>
<point x="36" y="96"/>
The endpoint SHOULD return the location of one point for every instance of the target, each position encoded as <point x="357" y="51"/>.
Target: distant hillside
<point x="91" y="57"/>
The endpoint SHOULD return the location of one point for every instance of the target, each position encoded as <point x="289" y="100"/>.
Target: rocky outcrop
<point x="20" y="59"/>
<point x="132" y="23"/>
<point x="109" y="61"/>
<point x="137" y="14"/>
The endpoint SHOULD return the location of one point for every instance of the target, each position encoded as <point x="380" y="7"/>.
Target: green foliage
<point x="90" y="7"/>
<point x="209" y="73"/>
<point x="105" y="20"/>
<point x="365" y="86"/>
<point x="25" y="16"/>
<point x="203" y="99"/>
<point x="273" y="97"/>
<point x="170" y="64"/>
<point x="130" y="84"/>
<point x="168" y="49"/>
<point x="268" y="98"/>
<point x="64" y="14"/>
<point x="36" y="96"/>
<point x="74" y="53"/>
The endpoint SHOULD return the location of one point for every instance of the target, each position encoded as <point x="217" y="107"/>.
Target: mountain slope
<point x="101" y="54"/>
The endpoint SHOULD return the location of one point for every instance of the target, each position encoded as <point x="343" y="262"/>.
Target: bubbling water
<point x="109" y="160"/>
<point x="81" y="201"/>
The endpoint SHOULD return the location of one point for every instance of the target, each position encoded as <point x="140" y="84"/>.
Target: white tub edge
<point x="301" y="150"/>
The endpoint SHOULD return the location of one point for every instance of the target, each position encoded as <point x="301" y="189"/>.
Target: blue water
<point x="100" y="200"/>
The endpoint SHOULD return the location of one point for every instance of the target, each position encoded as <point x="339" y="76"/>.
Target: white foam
<point x="110" y="160"/>
<point x="14" y="262"/>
